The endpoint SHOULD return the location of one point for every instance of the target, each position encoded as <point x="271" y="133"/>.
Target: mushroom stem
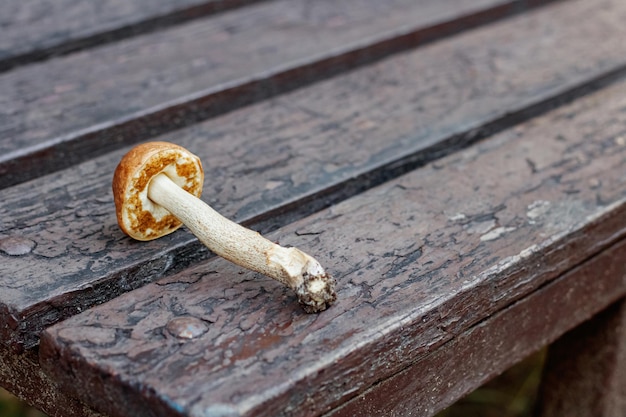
<point x="313" y="286"/>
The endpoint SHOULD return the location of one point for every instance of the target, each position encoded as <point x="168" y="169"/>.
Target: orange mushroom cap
<point x="137" y="215"/>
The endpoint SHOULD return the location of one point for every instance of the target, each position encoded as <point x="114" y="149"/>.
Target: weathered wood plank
<point x="22" y="375"/>
<point x="419" y="261"/>
<point x="287" y="157"/>
<point x="76" y="107"/>
<point x="489" y="348"/>
<point x="585" y="373"/>
<point x="34" y="30"/>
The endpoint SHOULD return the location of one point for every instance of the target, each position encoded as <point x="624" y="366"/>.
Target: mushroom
<point x="156" y="188"/>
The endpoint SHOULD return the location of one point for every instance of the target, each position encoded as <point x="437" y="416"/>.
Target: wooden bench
<point x="459" y="166"/>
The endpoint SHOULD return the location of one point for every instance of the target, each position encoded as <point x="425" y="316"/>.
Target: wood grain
<point x="282" y="159"/>
<point x="486" y="350"/>
<point x="22" y="375"/>
<point x="35" y="30"/>
<point x="420" y="260"/>
<point x="76" y="107"/>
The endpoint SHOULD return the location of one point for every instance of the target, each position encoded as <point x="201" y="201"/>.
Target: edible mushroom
<point x="156" y="188"/>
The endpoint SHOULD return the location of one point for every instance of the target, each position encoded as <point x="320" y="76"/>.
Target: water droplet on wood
<point x="187" y="327"/>
<point x="16" y="245"/>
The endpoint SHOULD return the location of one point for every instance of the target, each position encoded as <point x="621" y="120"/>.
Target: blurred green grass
<point x="10" y="406"/>
<point x="512" y="394"/>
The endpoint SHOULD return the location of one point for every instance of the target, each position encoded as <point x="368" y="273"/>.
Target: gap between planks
<point x="79" y="230"/>
<point x="37" y="39"/>
<point x="420" y="260"/>
<point x="80" y="125"/>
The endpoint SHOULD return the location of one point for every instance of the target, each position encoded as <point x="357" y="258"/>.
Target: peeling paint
<point x="537" y="209"/>
<point x="496" y="233"/>
<point x="480" y="228"/>
<point x="458" y="217"/>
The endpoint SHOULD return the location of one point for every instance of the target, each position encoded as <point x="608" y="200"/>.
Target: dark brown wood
<point x="279" y="160"/>
<point x="22" y="375"/>
<point x="35" y="30"/>
<point x="77" y="107"/>
<point x="585" y="371"/>
<point x="420" y="260"/>
<point x="439" y="379"/>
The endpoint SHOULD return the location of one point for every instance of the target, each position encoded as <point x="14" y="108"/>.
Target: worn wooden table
<point x="459" y="165"/>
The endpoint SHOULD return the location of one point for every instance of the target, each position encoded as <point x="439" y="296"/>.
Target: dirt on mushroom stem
<point x="316" y="293"/>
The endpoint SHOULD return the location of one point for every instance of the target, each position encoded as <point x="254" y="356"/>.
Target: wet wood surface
<point x="34" y="30"/>
<point x="458" y="165"/>
<point x="21" y="375"/>
<point x="295" y="156"/>
<point x="76" y="107"/>
<point x="492" y="346"/>
<point x="463" y="249"/>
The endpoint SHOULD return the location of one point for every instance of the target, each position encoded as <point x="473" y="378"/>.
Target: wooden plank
<point x="35" y="30"/>
<point x="439" y="379"/>
<point x="76" y="107"/>
<point x="585" y="373"/>
<point x="419" y="261"/>
<point x="332" y="140"/>
<point x="22" y="375"/>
